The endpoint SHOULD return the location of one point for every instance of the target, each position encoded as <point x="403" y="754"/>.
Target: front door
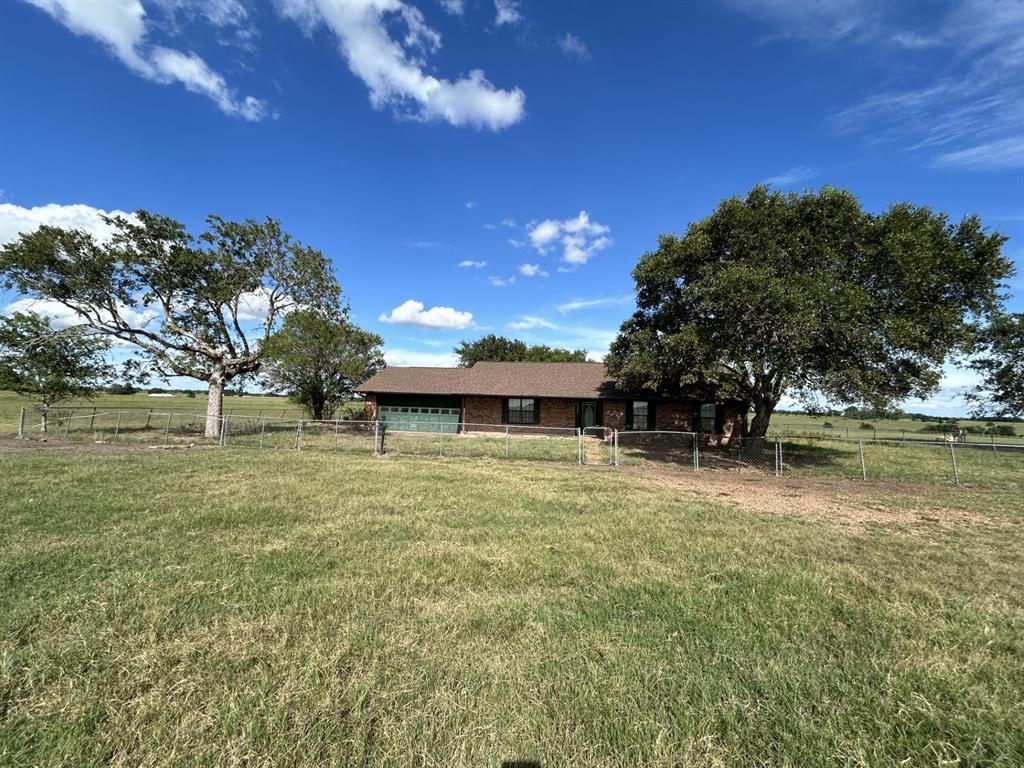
<point x="588" y="413"/>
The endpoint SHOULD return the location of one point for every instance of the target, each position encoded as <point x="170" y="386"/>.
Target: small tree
<point x="499" y="349"/>
<point x="1001" y="364"/>
<point x="48" y="365"/>
<point x="197" y="307"/>
<point x="318" y="359"/>
<point x="811" y="295"/>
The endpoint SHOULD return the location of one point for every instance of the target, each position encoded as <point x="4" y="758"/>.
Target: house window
<point x="640" y="411"/>
<point x="709" y="418"/>
<point x="521" y="410"/>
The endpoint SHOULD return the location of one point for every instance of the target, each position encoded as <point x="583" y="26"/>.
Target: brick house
<point x="553" y="395"/>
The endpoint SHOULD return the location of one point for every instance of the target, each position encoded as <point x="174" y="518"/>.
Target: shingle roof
<point x="573" y="380"/>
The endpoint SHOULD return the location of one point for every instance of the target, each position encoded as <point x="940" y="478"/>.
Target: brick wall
<point x="674" y="416"/>
<point x="614" y="414"/>
<point x="487" y="410"/>
<point x="481" y="410"/>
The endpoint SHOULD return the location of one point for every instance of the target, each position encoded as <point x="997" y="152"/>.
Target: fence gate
<point x="597" y="446"/>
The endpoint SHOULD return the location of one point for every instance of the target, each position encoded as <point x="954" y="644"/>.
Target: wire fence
<point x="975" y="464"/>
<point x="929" y="433"/>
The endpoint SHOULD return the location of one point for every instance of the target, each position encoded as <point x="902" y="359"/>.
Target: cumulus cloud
<point x="501" y="282"/>
<point x="470" y="205"/>
<point x="412" y="312"/>
<point x="394" y="69"/>
<point x="454" y="7"/>
<point x="532" y="270"/>
<point x="578" y="238"/>
<point x="507" y="12"/>
<point x="414" y="357"/>
<point x="530" y="323"/>
<point x="470" y="264"/>
<point x="121" y="26"/>
<point x="15" y="220"/>
<point x="574" y="47"/>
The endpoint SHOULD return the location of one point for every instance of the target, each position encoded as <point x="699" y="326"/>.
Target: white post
<point x="863" y="468"/>
<point x="337" y="426"/>
<point x="956" y="473"/>
<point x="508" y="440"/>
<point x="781" y="467"/>
<point x="117" y="426"/>
<point x="167" y="428"/>
<point x="298" y="435"/>
<point x="778" y="462"/>
<point x="615" y="447"/>
<point x="263" y="429"/>
<point x="224" y="430"/>
<point x="579" y="446"/>
<point x="376" y="436"/>
<point x="696" y="452"/>
<point x="21" y="422"/>
<point x="440" y="442"/>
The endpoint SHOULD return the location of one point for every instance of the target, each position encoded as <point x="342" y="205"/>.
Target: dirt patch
<point x="838" y="501"/>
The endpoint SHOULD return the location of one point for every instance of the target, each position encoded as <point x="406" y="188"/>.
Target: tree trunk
<point x="763" y="409"/>
<point x="214" y="405"/>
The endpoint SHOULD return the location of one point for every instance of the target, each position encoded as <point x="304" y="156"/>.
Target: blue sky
<point x="484" y="166"/>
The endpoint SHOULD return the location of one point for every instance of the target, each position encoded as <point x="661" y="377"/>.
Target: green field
<point x="199" y="608"/>
<point x="890" y="429"/>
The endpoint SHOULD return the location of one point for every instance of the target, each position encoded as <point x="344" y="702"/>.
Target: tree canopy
<point x="193" y="306"/>
<point x="811" y="295"/>
<point x="318" y="359"/>
<point x="499" y="349"/>
<point x="50" y="365"/>
<point x="1000" y="361"/>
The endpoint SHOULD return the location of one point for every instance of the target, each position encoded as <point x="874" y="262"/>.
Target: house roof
<point x="572" y="380"/>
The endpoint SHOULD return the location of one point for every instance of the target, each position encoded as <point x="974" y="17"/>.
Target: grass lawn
<point x="229" y="607"/>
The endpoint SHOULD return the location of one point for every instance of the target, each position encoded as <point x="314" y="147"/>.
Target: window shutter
<point x="652" y="409"/>
<point x="629" y="414"/>
<point x="536" y="411"/>
<point x="504" y="410"/>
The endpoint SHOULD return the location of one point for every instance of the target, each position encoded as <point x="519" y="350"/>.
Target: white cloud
<point x="470" y="205"/>
<point x="413" y="357"/>
<point x="573" y="46"/>
<point x="470" y="264"/>
<point x="579" y="238"/>
<point x="121" y="26"/>
<point x="532" y="270"/>
<point x="996" y="155"/>
<point x="529" y="323"/>
<point x="516" y="243"/>
<point x="507" y="12"/>
<point x="394" y="70"/>
<point x="454" y="7"/>
<point x="412" y="312"/>
<point x="510" y="223"/>
<point x="15" y="220"/>
<point x="578" y="304"/>
<point x="961" y="112"/>
<point x="792" y="176"/>
<point x="501" y="282"/>
<point x="61" y="316"/>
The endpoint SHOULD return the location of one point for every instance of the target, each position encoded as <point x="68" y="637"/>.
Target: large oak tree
<point x="500" y="349"/>
<point x="200" y="307"/>
<point x="1000" y="361"/>
<point x="809" y="294"/>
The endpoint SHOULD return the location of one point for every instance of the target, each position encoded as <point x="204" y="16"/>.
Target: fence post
<point x="615" y="447"/>
<point x="298" y="435"/>
<point x="863" y="468"/>
<point x="337" y="426"/>
<point x="263" y="429"/>
<point x="956" y="473"/>
<point x="117" y="426"/>
<point x="92" y="421"/>
<point x="781" y="466"/>
<point x="696" y="452"/>
<point x="224" y="430"/>
<point x="440" y="442"/>
<point x="21" y="422"/>
<point x="778" y="457"/>
<point x="376" y="438"/>
<point x="508" y="440"/>
<point x="67" y="424"/>
<point x="148" y="416"/>
<point x="167" y="429"/>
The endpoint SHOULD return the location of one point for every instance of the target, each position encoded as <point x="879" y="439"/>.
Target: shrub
<point x="867" y="425"/>
<point x="828" y="425"/>
<point x="1002" y="430"/>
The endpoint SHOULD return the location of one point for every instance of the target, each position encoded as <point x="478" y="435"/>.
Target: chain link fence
<point x="939" y="461"/>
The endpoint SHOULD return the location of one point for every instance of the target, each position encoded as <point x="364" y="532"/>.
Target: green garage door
<point x="419" y="418"/>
